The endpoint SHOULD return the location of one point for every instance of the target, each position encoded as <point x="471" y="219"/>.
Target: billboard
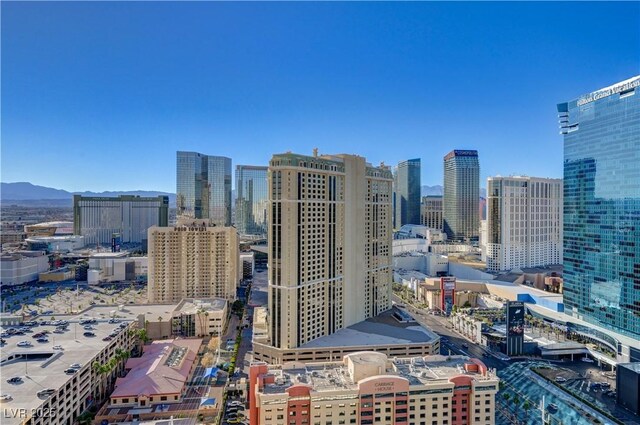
<point x="515" y="328"/>
<point x="447" y="293"/>
<point x="116" y="240"/>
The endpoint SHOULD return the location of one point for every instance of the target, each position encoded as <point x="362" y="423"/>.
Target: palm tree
<point x="526" y="406"/>
<point x="160" y="320"/>
<point x="100" y="370"/>
<point x="199" y="313"/>
<point x="516" y="402"/>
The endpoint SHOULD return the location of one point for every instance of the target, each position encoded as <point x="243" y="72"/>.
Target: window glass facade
<point x="407" y="193"/>
<point x="252" y="200"/>
<point x="203" y="186"/>
<point x="602" y="206"/>
<point x="461" y="219"/>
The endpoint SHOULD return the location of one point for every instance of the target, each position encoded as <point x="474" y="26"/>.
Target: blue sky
<point x="99" y="96"/>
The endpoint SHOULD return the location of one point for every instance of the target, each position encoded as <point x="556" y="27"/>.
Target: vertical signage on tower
<point x="515" y="328"/>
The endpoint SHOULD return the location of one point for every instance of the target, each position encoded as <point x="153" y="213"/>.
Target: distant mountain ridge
<point x="431" y="190"/>
<point x="24" y="191"/>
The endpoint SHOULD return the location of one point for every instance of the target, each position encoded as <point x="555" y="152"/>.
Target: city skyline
<point x="69" y="79"/>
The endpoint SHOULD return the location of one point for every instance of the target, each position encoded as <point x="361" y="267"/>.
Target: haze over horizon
<point x="100" y="96"/>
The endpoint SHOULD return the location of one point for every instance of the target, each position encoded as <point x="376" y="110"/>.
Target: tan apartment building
<point x="330" y="233"/>
<point x="431" y="212"/>
<point x="193" y="260"/>
<point x="368" y="387"/>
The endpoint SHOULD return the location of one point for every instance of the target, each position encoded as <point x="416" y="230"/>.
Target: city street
<point x="451" y="342"/>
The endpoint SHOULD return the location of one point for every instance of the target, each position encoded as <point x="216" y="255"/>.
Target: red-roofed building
<point x="159" y="376"/>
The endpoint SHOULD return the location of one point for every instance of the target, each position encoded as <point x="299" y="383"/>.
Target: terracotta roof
<point x="153" y="373"/>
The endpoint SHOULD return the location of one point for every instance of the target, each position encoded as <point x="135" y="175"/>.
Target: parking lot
<point x="70" y="297"/>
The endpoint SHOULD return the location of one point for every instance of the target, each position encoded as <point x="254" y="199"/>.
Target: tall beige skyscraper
<point x="330" y="232"/>
<point x="524" y="222"/>
<point x="193" y="260"/>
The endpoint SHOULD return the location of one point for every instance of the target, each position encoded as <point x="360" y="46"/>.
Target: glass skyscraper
<point x="602" y="206"/>
<point x="252" y="200"/>
<point x="461" y="198"/>
<point x="407" y="193"/>
<point x="204" y="187"/>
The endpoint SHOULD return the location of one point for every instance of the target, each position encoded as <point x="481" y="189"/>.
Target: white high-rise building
<point x="193" y="260"/>
<point x="524" y="222"/>
<point x="330" y="235"/>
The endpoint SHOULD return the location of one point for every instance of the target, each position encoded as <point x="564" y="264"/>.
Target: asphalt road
<point x="451" y="342"/>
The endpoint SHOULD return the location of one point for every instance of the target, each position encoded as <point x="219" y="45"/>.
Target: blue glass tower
<point x="602" y="206"/>
<point x="203" y="185"/>
<point x="407" y="193"/>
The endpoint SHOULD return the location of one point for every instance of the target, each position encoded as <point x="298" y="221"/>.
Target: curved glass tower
<point x="602" y="206"/>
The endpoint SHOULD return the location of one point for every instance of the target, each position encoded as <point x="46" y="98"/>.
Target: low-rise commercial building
<point x="105" y="267"/>
<point x="64" y="243"/>
<point x="50" y="228"/>
<point x="159" y="376"/>
<point x="58" y="275"/>
<point x="22" y="267"/>
<point x="367" y="387"/>
<point x="384" y="333"/>
<point x="200" y="317"/>
<point x="11" y="237"/>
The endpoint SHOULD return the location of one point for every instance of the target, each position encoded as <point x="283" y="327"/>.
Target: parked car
<point x="75" y="366"/>
<point x="561" y="379"/>
<point x="107" y="338"/>
<point x="89" y="334"/>
<point x="25" y="344"/>
<point x="587" y="360"/>
<point x="70" y="371"/>
<point x="14" y="380"/>
<point x="5" y="397"/>
<point x="46" y="392"/>
<point x="58" y="347"/>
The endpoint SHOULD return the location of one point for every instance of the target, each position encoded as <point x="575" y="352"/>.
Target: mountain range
<point x="23" y="193"/>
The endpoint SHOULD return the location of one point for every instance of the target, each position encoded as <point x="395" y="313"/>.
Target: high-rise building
<point x="431" y="211"/>
<point x="98" y="218"/>
<point x="193" y="260"/>
<point x="329" y="245"/>
<point x="252" y="200"/>
<point x="601" y="204"/>
<point x="368" y="387"/>
<point x="461" y="195"/>
<point x="204" y="187"/>
<point x="407" y="193"/>
<point x="524" y="224"/>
